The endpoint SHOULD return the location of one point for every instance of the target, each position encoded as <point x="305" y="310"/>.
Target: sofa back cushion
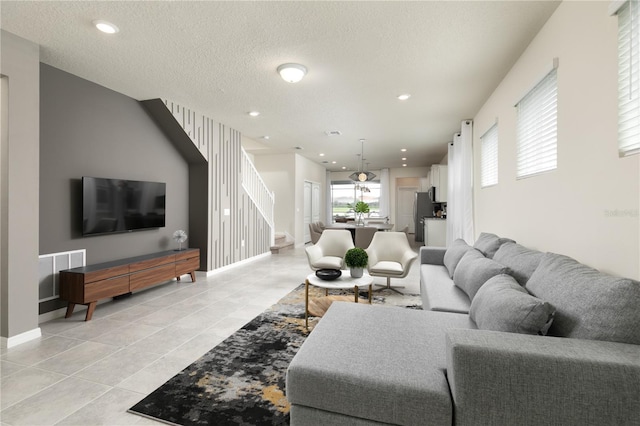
<point x="502" y="304"/>
<point x="474" y="270"/>
<point x="454" y="253"/>
<point x="520" y="260"/>
<point x="488" y="244"/>
<point x="589" y="304"/>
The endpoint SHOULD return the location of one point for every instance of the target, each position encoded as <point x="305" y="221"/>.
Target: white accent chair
<point x="329" y="251"/>
<point x="391" y="256"/>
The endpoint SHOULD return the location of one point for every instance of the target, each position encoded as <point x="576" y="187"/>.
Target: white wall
<point x="588" y="207"/>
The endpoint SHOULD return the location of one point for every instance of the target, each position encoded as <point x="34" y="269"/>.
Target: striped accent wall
<point x="236" y="229"/>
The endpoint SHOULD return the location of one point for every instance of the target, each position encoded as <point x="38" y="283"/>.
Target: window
<point x="489" y="157"/>
<point x="344" y="194"/>
<point x="628" y="78"/>
<point x="537" y="128"/>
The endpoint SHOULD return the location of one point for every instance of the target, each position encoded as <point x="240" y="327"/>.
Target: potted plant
<point x="356" y="259"/>
<point x="361" y="208"/>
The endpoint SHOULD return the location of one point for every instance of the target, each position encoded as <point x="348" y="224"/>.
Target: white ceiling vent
<point x="333" y="133"/>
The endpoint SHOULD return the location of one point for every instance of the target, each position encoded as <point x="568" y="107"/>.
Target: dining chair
<point x="364" y="235"/>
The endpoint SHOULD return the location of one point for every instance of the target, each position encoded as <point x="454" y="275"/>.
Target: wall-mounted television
<point x="118" y="205"/>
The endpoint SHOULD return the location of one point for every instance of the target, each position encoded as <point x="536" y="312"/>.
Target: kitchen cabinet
<point x="435" y="232"/>
<point x="438" y="176"/>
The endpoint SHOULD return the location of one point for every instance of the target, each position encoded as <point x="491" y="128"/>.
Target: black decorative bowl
<point x="328" y="274"/>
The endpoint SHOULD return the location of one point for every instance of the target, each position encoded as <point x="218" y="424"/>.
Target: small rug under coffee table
<point x="242" y="380"/>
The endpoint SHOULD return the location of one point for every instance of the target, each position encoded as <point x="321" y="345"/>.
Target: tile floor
<point x="90" y="373"/>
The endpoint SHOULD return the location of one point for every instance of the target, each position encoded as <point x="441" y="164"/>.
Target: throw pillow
<point x="474" y="270"/>
<point x="488" y="244"/>
<point x="454" y="253"/>
<point x="520" y="260"/>
<point x="503" y="305"/>
<point x="589" y="304"/>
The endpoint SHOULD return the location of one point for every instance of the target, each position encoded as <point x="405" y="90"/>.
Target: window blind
<point x="489" y="157"/>
<point x="628" y="78"/>
<point x="537" y="128"/>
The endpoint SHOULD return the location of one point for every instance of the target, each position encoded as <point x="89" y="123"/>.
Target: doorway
<point x="405" y="196"/>
<point x="311" y="207"/>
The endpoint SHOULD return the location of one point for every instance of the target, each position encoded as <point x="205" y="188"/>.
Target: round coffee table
<point x="344" y="282"/>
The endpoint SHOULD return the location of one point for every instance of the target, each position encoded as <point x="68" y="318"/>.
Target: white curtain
<point x="460" y="186"/>
<point x="384" y="193"/>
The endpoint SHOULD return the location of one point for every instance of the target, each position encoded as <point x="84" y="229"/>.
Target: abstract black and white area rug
<point x="241" y="381"/>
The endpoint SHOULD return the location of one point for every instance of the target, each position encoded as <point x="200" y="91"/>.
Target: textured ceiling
<point x="220" y="59"/>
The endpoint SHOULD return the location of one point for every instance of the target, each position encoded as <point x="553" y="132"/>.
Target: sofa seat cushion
<point x="474" y="270"/>
<point x="488" y="244"/>
<point x="368" y="362"/>
<point x="502" y="304"/>
<point x="387" y="267"/>
<point x="438" y="293"/>
<point x="520" y="260"/>
<point x="328" y="262"/>
<point x="589" y="304"/>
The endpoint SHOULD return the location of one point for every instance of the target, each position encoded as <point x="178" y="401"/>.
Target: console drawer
<point x="152" y="276"/>
<point x="187" y="254"/>
<point x="106" y="288"/>
<point x="102" y="274"/>
<point x="187" y="266"/>
<point x="151" y="263"/>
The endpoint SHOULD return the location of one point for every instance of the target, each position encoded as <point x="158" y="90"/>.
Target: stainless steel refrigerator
<point x="422" y="207"/>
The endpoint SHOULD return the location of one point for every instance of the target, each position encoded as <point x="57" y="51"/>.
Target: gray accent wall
<point x="89" y="130"/>
<point x="19" y="157"/>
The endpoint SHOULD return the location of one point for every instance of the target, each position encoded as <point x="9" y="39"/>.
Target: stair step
<point x="277" y="247"/>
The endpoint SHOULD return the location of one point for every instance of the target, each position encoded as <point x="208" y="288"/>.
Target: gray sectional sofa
<point x="507" y="336"/>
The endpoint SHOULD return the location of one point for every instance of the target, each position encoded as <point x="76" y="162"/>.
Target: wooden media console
<point x="88" y="284"/>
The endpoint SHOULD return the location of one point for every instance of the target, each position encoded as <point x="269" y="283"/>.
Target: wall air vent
<point x="299" y="148"/>
<point x="333" y="133"/>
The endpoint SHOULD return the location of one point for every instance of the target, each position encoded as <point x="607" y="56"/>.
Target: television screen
<point x="117" y="205"/>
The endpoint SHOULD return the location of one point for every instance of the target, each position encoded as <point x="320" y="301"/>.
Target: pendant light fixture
<point x="361" y="175"/>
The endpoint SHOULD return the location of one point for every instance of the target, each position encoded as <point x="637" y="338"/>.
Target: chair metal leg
<point x="389" y="287"/>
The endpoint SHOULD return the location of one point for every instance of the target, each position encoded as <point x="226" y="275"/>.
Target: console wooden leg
<point x="90" y="309"/>
<point x="70" y="307"/>
<point x="193" y="276"/>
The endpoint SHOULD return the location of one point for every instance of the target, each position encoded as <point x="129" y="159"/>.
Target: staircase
<point x="281" y="243"/>
<point x="258" y="192"/>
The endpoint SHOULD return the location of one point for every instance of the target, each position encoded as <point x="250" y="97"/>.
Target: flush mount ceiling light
<point x="361" y="175"/>
<point x="404" y="97"/>
<point x="292" y="73"/>
<point x="106" y="27"/>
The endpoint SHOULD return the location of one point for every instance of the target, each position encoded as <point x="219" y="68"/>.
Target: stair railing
<point x="258" y="192"/>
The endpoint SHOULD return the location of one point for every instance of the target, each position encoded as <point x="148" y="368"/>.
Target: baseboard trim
<point x="18" y="339"/>
<point x="236" y="264"/>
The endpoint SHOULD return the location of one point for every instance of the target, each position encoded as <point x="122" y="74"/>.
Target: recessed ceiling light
<point x="321" y="154"/>
<point x="403" y="149"/>
<point x="266" y="137"/>
<point x="404" y="97"/>
<point x="254" y="113"/>
<point x="404" y="158"/>
<point x="333" y="162"/>
<point x="292" y="73"/>
<point x="106" y="27"/>
<point x="344" y="167"/>
<point x="404" y="165"/>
